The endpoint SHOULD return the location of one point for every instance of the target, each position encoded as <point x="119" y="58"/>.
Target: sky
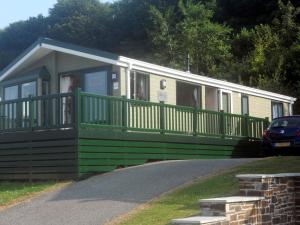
<point x="15" y="10"/>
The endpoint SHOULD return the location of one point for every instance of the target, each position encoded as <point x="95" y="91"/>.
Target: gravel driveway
<point x="101" y="198"/>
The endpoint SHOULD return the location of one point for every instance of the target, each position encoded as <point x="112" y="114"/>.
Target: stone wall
<point x="265" y="199"/>
<point x="237" y="210"/>
<point x="297" y="199"/>
<point x="279" y="192"/>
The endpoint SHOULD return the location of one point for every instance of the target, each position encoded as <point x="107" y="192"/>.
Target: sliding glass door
<point x="94" y="82"/>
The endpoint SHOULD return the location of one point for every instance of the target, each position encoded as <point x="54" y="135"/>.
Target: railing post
<point x="77" y="108"/>
<point x="162" y="117"/>
<point x="195" y="121"/>
<point x="247" y="125"/>
<point x="31" y="116"/>
<point x="222" y="123"/>
<point x="19" y="115"/>
<point x="124" y="113"/>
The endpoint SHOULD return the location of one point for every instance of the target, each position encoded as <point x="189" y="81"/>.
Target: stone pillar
<point x="279" y="205"/>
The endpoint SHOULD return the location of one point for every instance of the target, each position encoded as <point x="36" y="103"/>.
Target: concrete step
<point x="201" y="220"/>
<point x="225" y="205"/>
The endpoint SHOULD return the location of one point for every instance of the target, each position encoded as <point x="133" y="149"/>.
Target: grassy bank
<point x="13" y="192"/>
<point x="183" y="202"/>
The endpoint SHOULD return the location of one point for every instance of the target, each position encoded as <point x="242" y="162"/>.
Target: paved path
<point x="101" y="198"/>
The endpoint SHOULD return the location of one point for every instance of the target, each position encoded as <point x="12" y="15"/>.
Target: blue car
<point x="282" y="136"/>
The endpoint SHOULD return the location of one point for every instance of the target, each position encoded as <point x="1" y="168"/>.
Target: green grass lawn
<point x="12" y="192"/>
<point x="184" y="202"/>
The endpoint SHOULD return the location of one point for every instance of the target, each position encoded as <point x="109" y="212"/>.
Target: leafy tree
<point x="207" y="42"/>
<point x="81" y="22"/>
<point x="18" y="36"/>
<point x="252" y="42"/>
<point x="131" y="23"/>
<point x="268" y="55"/>
<point x="248" y="13"/>
<point x="164" y="35"/>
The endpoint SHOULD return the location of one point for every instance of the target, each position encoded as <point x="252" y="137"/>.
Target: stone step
<point x="201" y="220"/>
<point x="226" y="205"/>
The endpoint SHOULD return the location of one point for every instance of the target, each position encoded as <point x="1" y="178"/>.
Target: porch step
<point x="225" y="205"/>
<point x="200" y="220"/>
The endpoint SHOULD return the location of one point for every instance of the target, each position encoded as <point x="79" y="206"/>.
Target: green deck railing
<point x="135" y="115"/>
<point x="68" y="110"/>
<point x="37" y="113"/>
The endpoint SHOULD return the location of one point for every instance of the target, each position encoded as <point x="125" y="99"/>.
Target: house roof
<point x="44" y="46"/>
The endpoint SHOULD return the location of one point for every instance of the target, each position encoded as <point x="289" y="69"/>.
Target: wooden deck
<point x="67" y="136"/>
<point x="38" y="155"/>
<point x="104" y="150"/>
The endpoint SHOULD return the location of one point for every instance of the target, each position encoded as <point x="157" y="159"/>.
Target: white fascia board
<point x="181" y="75"/>
<point x="84" y="55"/>
<point x="15" y="66"/>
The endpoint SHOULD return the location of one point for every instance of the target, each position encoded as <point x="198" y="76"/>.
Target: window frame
<point x="9" y="86"/>
<point x="199" y="90"/>
<point x="81" y="73"/>
<point x="272" y="110"/>
<point x="35" y="75"/>
<point x="242" y="109"/>
<point x="133" y="89"/>
<point x="36" y="87"/>
<point x="19" y="85"/>
<point x="220" y="99"/>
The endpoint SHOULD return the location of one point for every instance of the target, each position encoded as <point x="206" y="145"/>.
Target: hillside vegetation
<point x="252" y="42"/>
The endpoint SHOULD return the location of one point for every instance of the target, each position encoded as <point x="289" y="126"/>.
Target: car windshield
<point x="286" y="122"/>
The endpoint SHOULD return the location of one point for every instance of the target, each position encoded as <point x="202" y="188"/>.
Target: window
<point x="286" y="122"/>
<point x="28" y="84"/>
<point x="11" y="93"/>
<point x="211" y="98"/>
<point x="187" y="94"/>
<point x="277" y="109"/>
<point x="226" y="102"/>
<point x="96" y="82"/>
<point x="28" y="89"/>
<point x="245" y="105"/>
<point x="139" y="83"/>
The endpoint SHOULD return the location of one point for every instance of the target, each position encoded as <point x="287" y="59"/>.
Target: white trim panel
<point x="85" y="55"/>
